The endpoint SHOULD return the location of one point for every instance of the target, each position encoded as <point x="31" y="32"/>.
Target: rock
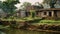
<point x="32" y="27"/>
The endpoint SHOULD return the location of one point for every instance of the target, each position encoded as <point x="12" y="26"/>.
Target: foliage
<point x="8" y="6"/>
<point x="50" y="2"/>
<point x="25" y="4"/>
<point x="39" y="5"/>
<point x="32" y="13"/>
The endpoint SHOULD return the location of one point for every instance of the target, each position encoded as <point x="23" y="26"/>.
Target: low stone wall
<point x="44" y="28"/>
<point x="4" y="23"/>
<point x="49" y="27"/>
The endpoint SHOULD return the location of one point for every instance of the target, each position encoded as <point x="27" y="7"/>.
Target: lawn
<point x="49" y="22"/>
<point x="35" y="20"/>
<point x="19" y="19"/>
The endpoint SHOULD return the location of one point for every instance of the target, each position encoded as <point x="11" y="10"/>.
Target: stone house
<point x="51" y="13"/>
<point x="48" y="13"/>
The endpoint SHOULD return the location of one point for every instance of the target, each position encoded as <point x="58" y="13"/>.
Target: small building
<point x="51" y="13"/>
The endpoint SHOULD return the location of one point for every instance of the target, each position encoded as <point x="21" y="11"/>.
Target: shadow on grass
<point x="35" y="21"/>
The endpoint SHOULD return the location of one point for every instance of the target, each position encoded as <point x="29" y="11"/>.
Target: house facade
<point x="52" y="13"/>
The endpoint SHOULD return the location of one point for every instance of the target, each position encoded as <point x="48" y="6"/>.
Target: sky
<point x="31" y="1"/>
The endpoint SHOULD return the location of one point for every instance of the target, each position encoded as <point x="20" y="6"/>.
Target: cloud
<point x="31" y="1"/>
<point x="2" y="0"/>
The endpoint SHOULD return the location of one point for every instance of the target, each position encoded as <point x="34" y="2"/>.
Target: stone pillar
<point x="42" y="14"/>
<point x="52" y="13"/>
<point x="47" y="13"/>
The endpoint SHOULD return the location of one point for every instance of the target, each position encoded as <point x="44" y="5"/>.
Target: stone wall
<point x="58" y="14"/>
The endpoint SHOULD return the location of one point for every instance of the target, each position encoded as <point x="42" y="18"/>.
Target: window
<point x="45" y="13"/>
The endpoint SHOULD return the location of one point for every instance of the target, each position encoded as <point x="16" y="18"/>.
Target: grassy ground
<point x="49" y="22"/>
<point x="3" y="27"/>
<point x="35" y="22"/>
<point x="19" y="19"/>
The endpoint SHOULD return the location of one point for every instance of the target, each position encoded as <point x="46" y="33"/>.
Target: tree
<point x="39" y="5"/>
<point x="8" y="6"/>
<point x="25" y="4"/>
<point x="1" y="4"/>
<point x="50" y="2"/>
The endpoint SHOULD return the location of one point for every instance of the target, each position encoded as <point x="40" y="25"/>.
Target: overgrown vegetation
<point x="50" y="2"/>
<point x="8" y="6"/>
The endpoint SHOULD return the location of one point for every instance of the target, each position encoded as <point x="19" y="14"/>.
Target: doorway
<point x="50" y="14"/>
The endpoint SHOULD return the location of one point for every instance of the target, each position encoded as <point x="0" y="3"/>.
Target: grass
<point x="3" y="27"/>
<point x="34" y="20"/>
<point x="18" y="19"/>
<point x="49" y="22"/>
